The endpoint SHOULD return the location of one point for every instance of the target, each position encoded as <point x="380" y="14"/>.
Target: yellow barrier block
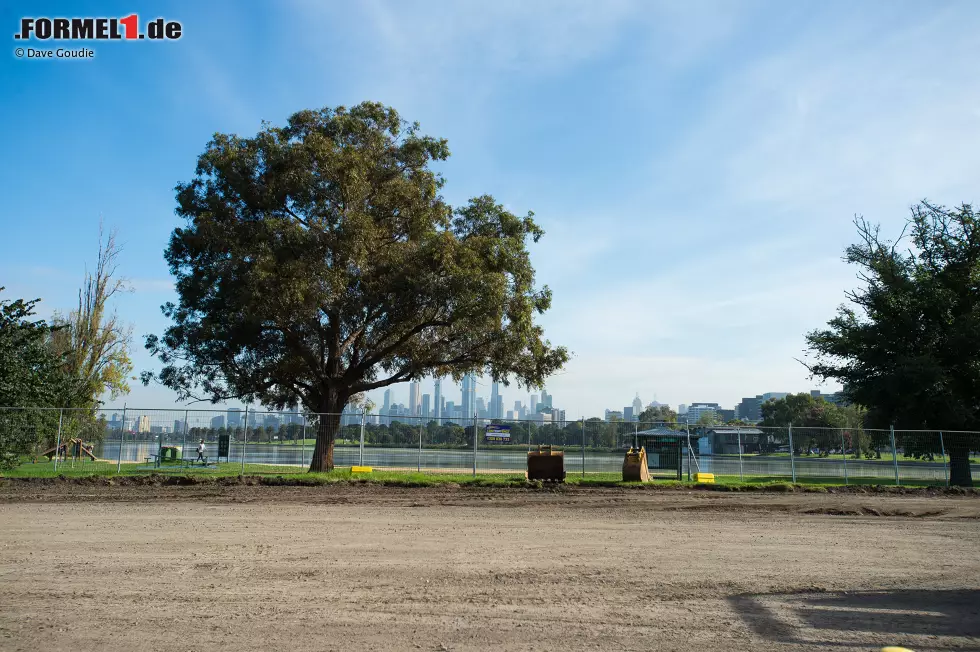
<point x="708" y="478"/>
<point x="361" y="469"/>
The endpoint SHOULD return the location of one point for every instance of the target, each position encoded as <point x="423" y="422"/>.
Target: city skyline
<point x="429" y="403"/>
<point x="748" y="409"/>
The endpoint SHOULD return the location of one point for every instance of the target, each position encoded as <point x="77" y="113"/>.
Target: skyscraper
<point x="546" y="399"/>
<point x="534" y="403"/>
<point x="696" y="410"/>
<point x="750" y="409"/>
<point x="386" y="408"/>
<point x="414" y="398"/>
<point x="469" y="394"/>
<point x="426" y="410"/>
<point x="494" y="399"/>
<point x="438" y="400"/>
<point x="637" y="406"/>
<point x="234" y="417"/>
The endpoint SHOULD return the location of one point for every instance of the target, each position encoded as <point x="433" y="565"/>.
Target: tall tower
<point x="494" y="400"/>
<point x="637" y="407"/>
<point x="546" y="399"/>
<point x="534" y="403"/>
<point x="426" y="411"/>
<point x="386" y="408"/>
<point x="469" y="394"/>
<point x="414" y="398"/>
<point x="438" y="403"/>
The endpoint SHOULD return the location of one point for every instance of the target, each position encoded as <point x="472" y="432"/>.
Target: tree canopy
<point x="30" y="377"/>
<point x="319" y="260"/>
<point x="818" y="423"/>
<point x="658" y="414"/>
<point x="803" y="410"/>
<point x="91" y="342"/>
<point x="908" y="347"/>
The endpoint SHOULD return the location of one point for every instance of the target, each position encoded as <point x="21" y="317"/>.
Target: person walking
<point x="201" y="450"/>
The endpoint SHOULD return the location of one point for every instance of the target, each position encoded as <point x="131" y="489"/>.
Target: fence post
<point x="738" y="434"/>
<point x="891" y="430"/>
<point x="244" y="441"/>
<point x="420" y="445"/>
<point x="474" y="445"/>
<point x="687" y="429"/>
<point x="302" y="446"/>
<point x="583" y="447"/>
<point x="183" y="438"/>
<point x="942" y="448"/>
<point x="57" y="444"/>
<point x="122" y="439"/>
<point x="792" y="456"/>
<point x="843" y="451"/>
<point x="360" y="450"/>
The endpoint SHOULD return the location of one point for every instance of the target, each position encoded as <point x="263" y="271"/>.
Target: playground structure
<point x="635" y="466"/>
<point x="74" y="448"/>
<point x="546" y="464"/>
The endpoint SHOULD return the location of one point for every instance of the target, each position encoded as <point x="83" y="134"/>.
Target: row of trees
<point x="814" y="419"/>
<point x="73" y="361"/>
<point x="598" y="433"/>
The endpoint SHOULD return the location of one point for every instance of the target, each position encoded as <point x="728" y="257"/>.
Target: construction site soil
<point x="153" y="565"/>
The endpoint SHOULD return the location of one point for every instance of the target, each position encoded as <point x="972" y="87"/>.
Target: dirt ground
<point x="381" y="568"/>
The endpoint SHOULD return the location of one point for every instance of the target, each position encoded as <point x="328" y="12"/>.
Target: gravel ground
<point x="86" y="567"/>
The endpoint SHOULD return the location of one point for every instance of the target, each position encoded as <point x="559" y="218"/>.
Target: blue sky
<point x="696" y="165"/>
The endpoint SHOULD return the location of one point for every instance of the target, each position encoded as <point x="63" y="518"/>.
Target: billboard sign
<point x="497" y="433"/>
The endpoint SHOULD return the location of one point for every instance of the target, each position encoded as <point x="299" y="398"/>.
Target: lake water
<point x="488" y="459"/>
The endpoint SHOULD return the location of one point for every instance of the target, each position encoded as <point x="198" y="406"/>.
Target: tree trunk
<point x="958" y="448"/>
<point x="328" y="423"/>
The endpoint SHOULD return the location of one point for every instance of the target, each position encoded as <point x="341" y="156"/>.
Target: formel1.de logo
<point x="97" y="29"/>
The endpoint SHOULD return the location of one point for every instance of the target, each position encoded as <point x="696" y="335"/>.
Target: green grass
<point x="272" y="474"/>
<point x="45" y="469"/>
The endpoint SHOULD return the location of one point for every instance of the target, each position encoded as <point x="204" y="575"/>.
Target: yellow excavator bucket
<point x="546" y="464"/>
<point x="635" y="468"/>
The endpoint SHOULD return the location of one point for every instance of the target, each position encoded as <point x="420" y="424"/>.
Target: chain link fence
<point x="69" y="441"/>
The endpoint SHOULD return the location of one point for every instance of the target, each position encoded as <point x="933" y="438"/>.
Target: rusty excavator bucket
<point x="635" y="467"/>
<point x="546" y="465"/>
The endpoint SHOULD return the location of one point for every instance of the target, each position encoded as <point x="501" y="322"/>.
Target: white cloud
<point x="851" y="118"/>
